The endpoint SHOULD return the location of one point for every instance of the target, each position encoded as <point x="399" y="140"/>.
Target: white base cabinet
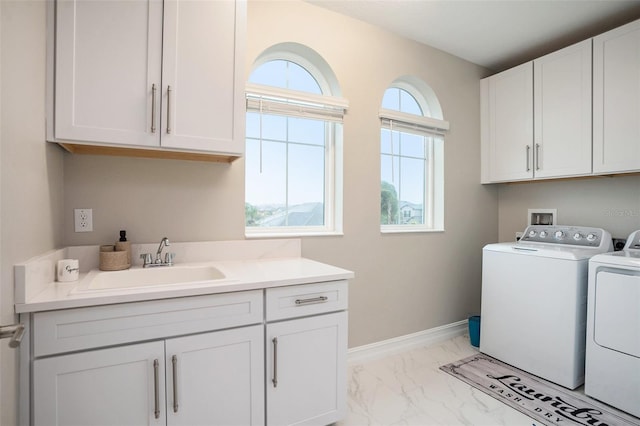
<point x="103" y="387"/>
<point x="216" y="378"/>
<point x="306" y="356"/>
<point x="307" y="370"/>
<point x="212" y="378"/>
<point x="193" y="361"/>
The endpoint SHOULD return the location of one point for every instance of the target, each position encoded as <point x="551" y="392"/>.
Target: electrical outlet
<point x="83" y="219"/>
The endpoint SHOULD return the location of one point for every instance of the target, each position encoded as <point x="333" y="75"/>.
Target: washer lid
<point x="554" y="251"/>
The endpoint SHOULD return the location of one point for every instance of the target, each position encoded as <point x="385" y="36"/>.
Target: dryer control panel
<point x="633" y="241"/>
<point x="580" y="236"/>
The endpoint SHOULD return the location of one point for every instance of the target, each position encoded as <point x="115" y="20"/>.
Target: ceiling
<point x="494" y="34"/>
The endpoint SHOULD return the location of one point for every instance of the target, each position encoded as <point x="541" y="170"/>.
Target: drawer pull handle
<point x="156" y="391"/>
<point x="174" y="362"/>
<point x="275" y="362"/>
<point x="320" y="299"/>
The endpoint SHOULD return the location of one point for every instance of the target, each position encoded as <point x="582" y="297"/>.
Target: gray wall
<point x="31" y="171"/>
<point x="611" y="203"/>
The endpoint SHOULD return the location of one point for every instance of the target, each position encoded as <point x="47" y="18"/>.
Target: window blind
<point x="410" y="123"/>
<point x="271" y="100"/>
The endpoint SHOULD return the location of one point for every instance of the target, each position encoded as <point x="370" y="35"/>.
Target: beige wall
<point x="611" y="203"/>
<point x="404" y="283"/>
<point x="31" y="171"/>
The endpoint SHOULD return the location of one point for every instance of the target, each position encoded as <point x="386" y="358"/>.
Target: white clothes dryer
<point x="613" y="328"/>
<point x="534" y="300"/>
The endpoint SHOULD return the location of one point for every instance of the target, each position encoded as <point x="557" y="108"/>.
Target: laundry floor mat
<point x="539" y="399"/>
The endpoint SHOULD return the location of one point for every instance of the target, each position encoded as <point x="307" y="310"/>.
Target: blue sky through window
<point x="285" y="155"/>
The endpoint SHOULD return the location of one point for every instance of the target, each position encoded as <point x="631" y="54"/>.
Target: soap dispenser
<point x="124" y="245"/>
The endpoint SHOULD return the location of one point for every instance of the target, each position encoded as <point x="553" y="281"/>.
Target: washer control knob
<point x="577" y="236"/>
<point x="532" y="233"/>
<point x="543" y="234"/>
<point x="559" y="235"/>
<point x="592" y="237"/>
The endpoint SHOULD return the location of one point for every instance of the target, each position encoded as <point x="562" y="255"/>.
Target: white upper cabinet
<point x="150" y="74"/>
<point x="202" y="76"/>
<point x="536" y="118"/>
<point x="108" y="57"/>
<point x="616" y="100"/>
<point x="507" y="121"/>
<point x="562" y="112"/>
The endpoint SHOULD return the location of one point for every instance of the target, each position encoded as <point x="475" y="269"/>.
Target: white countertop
<point x="240" y="275"/>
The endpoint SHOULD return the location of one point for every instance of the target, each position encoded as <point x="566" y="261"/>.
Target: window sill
<point x="410" y="231"/>
<point x="256" y="235"/>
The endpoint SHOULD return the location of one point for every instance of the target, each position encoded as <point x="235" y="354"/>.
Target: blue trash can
<point x="474" y="330"/>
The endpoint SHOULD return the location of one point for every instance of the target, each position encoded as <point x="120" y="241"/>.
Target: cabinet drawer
<point x="92" y="327"/>
<point x="306" y="299"/>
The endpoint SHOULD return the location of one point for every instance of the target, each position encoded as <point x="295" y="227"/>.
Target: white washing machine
<point x="613" y="328"/>
<point x="534" y="300"/>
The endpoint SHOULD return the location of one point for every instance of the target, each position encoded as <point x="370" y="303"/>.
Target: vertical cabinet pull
<point x="168" y="109"/>
<point x="174" y="362"/>
<point x="156" y="390"/>
<point x="275" y="362"/>
<point x="528" y="155"/>
<point x="153" y="108"/>
<point x="537" y="156"/>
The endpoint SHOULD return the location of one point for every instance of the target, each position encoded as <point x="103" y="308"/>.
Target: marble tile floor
<point x="409" y="389"/>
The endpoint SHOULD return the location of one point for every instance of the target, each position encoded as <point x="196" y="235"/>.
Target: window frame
<point x="433" y="129"/>
<point x="330" y="109"/>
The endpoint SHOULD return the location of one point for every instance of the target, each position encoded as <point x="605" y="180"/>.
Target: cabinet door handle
<point x="174" y="362"/>
<point x="275" y="362"/>
<point x="320" y="299"/>
<point x="168" y="109"/>
<point x="528" y="152"/>
<point x="153" y="108"/>
<point x="156" y="390"/>
<point x="537" y="156"/>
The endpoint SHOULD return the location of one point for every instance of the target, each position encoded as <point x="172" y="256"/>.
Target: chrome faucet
<point x="168" y="257"/>
<point x="164" y="243"/>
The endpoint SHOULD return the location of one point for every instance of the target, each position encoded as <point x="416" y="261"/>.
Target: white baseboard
<point x="409" y="341"/>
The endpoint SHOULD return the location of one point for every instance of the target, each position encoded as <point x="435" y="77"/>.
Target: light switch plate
<point x="83" y="220"/>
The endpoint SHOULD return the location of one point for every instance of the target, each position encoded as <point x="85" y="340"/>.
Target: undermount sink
<point x="149" y="277"/>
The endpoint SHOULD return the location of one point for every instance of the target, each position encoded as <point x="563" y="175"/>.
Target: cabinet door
<point x="104" y="387"/>
<point x="108" y="57"/>
<point x="203" y="75"/>
<point x="306" y="366"/>
<point x="216" y="378"/>
<point x="508" y="136"/>
<point x="562" y="116"/>
<point x="616" y="100"/>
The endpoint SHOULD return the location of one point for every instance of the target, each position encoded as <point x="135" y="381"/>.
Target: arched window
<point x="411" y="158"/>
<point x="293" y="143"/>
